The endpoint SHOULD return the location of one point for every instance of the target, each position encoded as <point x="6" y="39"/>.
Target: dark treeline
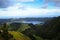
<point x="24" y="19"/>
<point x="4" y="34"/>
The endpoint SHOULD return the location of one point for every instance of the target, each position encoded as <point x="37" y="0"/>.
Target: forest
<point x="49" y="30"/>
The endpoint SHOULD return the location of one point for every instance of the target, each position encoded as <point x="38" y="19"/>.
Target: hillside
<point x="19" y="36"/>
<point x="23" y="27"/>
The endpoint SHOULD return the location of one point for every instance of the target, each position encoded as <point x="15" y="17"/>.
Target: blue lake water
<point x="33" y="22"/>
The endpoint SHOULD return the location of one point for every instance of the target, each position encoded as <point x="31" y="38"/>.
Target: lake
<point x="33" y="22"/>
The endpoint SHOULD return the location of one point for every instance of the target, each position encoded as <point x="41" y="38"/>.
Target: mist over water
<point x="33" y="22"/>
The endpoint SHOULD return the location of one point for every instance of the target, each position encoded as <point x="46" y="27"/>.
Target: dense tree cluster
<point x="50" y="29"/>
<point x="4" y="32"/>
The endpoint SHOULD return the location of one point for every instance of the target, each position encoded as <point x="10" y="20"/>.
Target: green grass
<point x="19" y="36"/>
<point x="23" y="27"/>
<point x="37" y="37"/>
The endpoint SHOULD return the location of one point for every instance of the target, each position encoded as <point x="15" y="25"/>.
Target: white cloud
<point x="23" y="0"/>
<point x="29" y="11"/>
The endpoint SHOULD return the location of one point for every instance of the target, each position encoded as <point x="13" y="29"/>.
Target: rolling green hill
<point x="19" y="36"/>
<point x="23" y="27"/>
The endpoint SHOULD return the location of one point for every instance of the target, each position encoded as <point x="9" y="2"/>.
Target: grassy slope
<point x="19" y="36"/>
<point x="38" y="38"/>
<point x="23" y="27"/>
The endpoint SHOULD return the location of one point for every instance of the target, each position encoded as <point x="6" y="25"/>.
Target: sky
<point x="29" y="8"/>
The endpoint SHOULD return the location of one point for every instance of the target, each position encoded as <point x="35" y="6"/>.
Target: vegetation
<point x="19" y="36"/>
<point x="23" y="27"/>
<point x="50" y="30"/>
<point x="4" y="33"/>
<point x="11" y="35"/>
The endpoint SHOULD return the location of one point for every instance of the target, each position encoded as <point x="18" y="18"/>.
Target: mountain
<point x="24" y="19"/>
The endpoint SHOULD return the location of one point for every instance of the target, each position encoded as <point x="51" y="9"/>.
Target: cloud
<point x="56" y="2"/>
<point x="24" y="0"/>
<point x="45" y="6"/>
<point x="27" y="11"/>
<point x="5" y="3"/>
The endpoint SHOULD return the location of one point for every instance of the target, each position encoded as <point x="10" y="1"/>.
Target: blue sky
<point x="29" y="8"/>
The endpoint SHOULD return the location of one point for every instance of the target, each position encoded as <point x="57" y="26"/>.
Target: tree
<point x="51" y="29"/>
<point x="5" y="34"/>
